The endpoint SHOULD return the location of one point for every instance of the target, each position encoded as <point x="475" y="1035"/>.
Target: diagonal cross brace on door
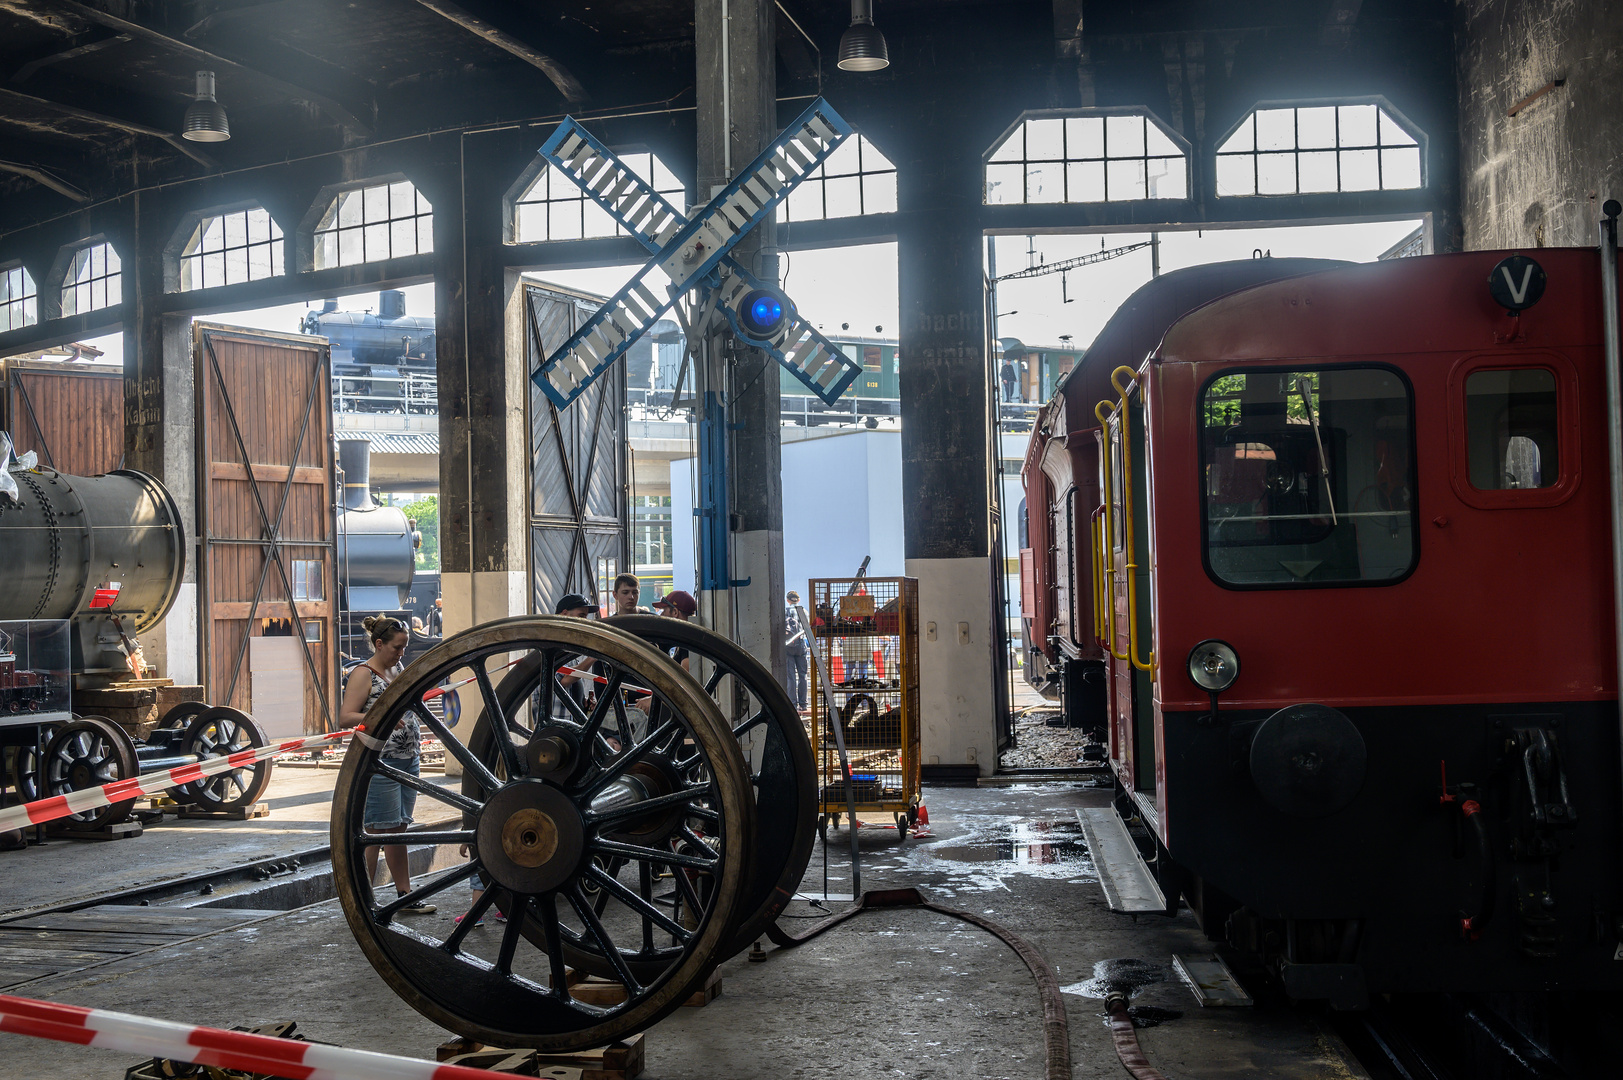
<point x="692" y="252"/>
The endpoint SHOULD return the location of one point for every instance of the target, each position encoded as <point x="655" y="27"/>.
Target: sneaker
<point x="481" y="922"/>
<point x="419" y="908"/>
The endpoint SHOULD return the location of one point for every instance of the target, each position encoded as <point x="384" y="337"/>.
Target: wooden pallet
<point x="123" y="830"/>
<point x="617" y="1061"/>
<point x="241" y="813"/>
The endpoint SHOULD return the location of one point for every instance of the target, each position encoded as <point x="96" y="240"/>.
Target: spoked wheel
<point x="25" y="769"/>
<point x="179" y="718"/>
<point x="217" y="732"/>
<point x="87" y="753"/>
<point x="572" y="813"/>
<point x="782" y="767"/>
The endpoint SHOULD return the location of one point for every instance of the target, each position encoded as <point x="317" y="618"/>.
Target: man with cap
<point x="574" y="606"/>
<point x="677" y="604"/>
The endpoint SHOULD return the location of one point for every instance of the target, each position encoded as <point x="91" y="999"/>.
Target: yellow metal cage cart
<point x="866" y="632"/>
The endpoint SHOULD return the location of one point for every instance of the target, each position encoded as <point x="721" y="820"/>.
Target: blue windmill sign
<point x="693" y="253"/>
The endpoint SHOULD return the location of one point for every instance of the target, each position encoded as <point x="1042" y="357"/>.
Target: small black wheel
<point x="181" y="715"/>
<point x="822" y="827"/>
<point x="217" y="732"/>
<point x="178" y="718"/>
<point x="901" y="826"/>
<point x="25" y="767"/>
<point x="88" y="753"/>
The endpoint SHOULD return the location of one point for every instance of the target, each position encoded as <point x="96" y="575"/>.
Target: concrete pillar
<point x="484" y="466"/>
<point x="160" y="423"/>
<point x="946" y="486"/>
<point x="737" y="117"/>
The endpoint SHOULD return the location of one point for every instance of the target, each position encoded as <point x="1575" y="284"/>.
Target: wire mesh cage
<point x="865" y="630"/>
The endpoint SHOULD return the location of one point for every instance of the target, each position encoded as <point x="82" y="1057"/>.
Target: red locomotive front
<point x="1359" y="629"/>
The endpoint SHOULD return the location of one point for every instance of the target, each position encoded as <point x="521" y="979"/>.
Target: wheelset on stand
<point x="90" y="751"/>
<point x="625" y="823"/>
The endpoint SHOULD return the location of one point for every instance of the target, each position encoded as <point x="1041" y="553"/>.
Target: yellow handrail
<point x="1127" y="525"/>
<point x="1098" y="577"/>
<point x="1107" y="557"/>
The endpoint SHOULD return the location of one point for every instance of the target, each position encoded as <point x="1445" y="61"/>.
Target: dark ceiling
<point x="92" y="92"/>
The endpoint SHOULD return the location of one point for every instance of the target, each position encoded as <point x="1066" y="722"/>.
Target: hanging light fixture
<point x="862" y="48"/>
<point x="205" y="118"/>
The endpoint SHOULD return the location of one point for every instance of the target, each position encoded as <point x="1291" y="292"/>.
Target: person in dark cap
<point x="573" y="605"/>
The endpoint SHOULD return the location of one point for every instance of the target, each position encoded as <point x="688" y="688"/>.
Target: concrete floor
<point x="59" y="870"/>
<point x="891" y="993"/>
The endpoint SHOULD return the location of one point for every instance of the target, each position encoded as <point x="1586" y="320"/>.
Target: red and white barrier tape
<point x="448" y="687"/>
<point x="240" y="1050"/>
<point x="136" y="787"/>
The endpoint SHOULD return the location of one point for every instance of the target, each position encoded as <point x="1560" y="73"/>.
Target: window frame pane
<point x="1343" y="506"/>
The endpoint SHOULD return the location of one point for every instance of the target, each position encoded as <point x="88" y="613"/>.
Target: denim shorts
<point x="389" y="803"/>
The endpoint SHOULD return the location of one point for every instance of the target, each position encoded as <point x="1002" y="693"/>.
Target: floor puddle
<point x="993" y="848"/>
<point x="1024" y="843"/>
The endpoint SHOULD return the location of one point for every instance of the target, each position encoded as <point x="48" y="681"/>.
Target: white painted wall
<point x="842" y="500"/>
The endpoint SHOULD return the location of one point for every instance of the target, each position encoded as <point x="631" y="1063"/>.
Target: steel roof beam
<point x="40" y="175"/>
<point x="114" y="122"/>
<point x="484" y="26"/>
<point x="77" y="46"/>
<point x="346" y="104"/>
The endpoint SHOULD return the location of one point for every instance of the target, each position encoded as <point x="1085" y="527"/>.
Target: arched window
<point x="1093" y="158"/>
<point x="368" y="224"/>
<point x="19" y="300"/>
<point x="555" y="208"/>
<point x="1322" y="148"/>
<point x="856" y="179"/>
<point x="93" y="280"/>
<point x="228" y="248"/>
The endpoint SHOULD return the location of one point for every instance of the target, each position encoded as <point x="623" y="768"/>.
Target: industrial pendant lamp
<point x="862" y="48"/>
<point x="205" y="117"/>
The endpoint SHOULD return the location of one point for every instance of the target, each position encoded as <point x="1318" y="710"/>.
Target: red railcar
<point x="1355" y="603"/>
<point x="1061" y="478"/>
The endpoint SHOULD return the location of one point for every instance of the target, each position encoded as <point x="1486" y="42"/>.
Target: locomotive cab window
<point x="1510" y="429"/>
<point x="1308" y="477"/>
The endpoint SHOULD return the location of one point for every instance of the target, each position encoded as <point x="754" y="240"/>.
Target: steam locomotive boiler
<point x="381" y="362"/>
<point x="92" y="562"/>
<point x="376" y="556"/>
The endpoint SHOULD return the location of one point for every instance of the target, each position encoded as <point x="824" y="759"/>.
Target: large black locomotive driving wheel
<point x="556" y="806"/>
<point x="88" y="752"/>
<point x="778" y="752"/>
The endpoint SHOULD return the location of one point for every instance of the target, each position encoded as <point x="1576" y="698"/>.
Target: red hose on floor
<point x="1126" y="1038"/>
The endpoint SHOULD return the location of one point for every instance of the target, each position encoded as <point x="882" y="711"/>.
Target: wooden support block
<point x="449" y="1049"/>
<point x="171" y="695"/>
<point x="241" y="813"/>
<point x="617" y="1061"/>
<point x="122" y="697"/>
<point x="506" y="1062"/>
<point x="123" y="830"/>
<point x="706" y="993"/>
<point x="595" y="991"/>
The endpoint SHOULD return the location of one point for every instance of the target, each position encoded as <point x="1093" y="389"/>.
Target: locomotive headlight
<point x="1214" y="665"/>
<point x="763" y="314"/>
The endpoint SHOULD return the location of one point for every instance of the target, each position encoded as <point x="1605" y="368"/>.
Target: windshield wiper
<point x="1304" y="386"/>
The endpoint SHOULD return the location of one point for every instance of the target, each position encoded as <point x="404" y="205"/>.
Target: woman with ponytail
<point x="389" y="803"/>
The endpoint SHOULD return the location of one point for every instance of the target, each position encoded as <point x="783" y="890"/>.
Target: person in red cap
<point x="677" y="604"/>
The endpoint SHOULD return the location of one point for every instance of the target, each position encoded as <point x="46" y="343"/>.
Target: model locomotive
<point x="21" y="690"/>
<point x="1340" y="548"/>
